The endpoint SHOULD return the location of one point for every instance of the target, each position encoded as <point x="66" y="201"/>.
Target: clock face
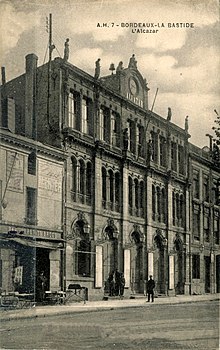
<point x="133" y="86"/>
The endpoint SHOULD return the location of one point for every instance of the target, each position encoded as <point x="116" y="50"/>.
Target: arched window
<point x="117" y="191"/>
<point x="88" y="183"/>
<point x="163" y="205"/>
<point x="32" y="162"/>
<point x="111" y="186"/>
<point x="74" y="177"/>
<point x="177" y="207"/>
<point x="82" y="178"/>
<point x="104" y="189"/>
<point x="130" y="194"/>
<point x="136" y="190"/>
<point x="142" y="198"/>
<point x="182" y="211"/>
<point x="173" y="207"/>
<point x="153" y="202"/>
<point x="158" y="203"/>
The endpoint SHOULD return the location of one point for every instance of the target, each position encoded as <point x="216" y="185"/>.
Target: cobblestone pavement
<point x="150" y="326"/>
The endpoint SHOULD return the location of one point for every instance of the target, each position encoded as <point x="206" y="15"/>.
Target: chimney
<point x="30" y="95"/>
<point x="3" y="75"/>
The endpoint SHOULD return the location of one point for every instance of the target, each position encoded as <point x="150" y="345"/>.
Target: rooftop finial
<point x="66" y="50"/>
<point x="97" y="68"/>
<point x="132" y="62"/>
<point x="187" y="124"/>
<point x="169" y="114"/>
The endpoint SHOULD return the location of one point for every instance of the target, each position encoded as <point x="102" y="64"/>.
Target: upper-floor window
<point x="216" y="233"/>
<point x="115" y="129"/>
<point x="101" y="124"/>
<point x="206" y="228"/>
<point x="162" y="151"/>
<point x="87" y="116"/>
<point x="74" y="110"/>
<point x="31" y="206"/>
<point x="140" y="140"/>
<point x="181" y="160"/>
<point x="206" y="189"/>
<point x="173" y="156"/>
<point x="32" y="162"/>
<point x="104" y="124"/>
<point x="196" y="184"/>
<point x="196" y="225"/>
<point x="132" y="136"/>
<point x="154" y="138"/>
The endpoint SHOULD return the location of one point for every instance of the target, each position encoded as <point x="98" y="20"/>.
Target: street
<point x="192" y="325"/>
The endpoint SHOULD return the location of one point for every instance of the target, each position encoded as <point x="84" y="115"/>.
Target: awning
<point x="36" y="243"/>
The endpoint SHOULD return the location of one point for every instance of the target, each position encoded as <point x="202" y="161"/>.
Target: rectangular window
<point x="206" y="228"/>
<point x="162" y="151"/>
<point x="154" y="138"/>
<point x="181" y="161"/>
<point x="216" y="230"/>
<point x="141" y="141"/>
<point x="31" y="206"/>
<point x="132" y="129"/>
<point x="1" y="273"/>
<point x="196" y="225"/>
<point x="106" y="125"/>
<point x="195" y="266"/>
<point x="72" y="112"/>
<point x="173" y="156"/>
<point x="85" y="115"/>
<point x="196" y="184"/>
<point x="101" y="125"/>
<point x="206" y="189"/>
<point x="114" y="135"/>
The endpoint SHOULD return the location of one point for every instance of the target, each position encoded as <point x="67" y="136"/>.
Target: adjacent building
<point x="130" y="200"/>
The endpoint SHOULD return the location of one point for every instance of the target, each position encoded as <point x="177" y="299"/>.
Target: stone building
<point x="128" y="200"/>
<point x="31" y="236"/>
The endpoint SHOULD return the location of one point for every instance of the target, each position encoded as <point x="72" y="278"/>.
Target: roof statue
<point x="169" y="114"/>
<point x="132" y="62"/>
<point x="66" y="50"/>
<point x="97" y="68"/>
<point x="187" y="124"/>
<point x="120" y="67"/>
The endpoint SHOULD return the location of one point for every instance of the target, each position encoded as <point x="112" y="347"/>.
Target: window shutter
<point x="127" y="267"/>
<point x="98" y="267"/>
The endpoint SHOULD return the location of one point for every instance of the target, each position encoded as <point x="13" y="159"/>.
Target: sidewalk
<point x="47" y="310"/>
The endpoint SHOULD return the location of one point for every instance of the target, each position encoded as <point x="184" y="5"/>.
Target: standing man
<point x="150" y="289"/>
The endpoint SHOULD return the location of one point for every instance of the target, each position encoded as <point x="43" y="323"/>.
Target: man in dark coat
<point x="150" y="289"/>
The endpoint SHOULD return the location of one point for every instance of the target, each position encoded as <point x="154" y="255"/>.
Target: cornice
<point x="30" y="145"/>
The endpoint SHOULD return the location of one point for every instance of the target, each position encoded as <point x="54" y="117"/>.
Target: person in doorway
<point x="150" y="289"/>
<point x="42" y="280"/>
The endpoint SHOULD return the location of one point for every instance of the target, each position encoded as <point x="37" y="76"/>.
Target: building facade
<point x="31" y="236"/>
<point x="128" y="198"/>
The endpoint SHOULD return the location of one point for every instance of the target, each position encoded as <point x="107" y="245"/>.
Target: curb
<point x="86" y="309"/>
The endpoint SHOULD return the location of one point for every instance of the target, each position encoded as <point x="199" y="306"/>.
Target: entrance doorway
<point x="217" y="273"/>
<point x="42" y="266"/>
<point x="207" y="261"/>
<point x="137" y="284"/>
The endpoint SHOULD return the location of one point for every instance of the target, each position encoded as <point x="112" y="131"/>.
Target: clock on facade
<point x="133" y="86"/>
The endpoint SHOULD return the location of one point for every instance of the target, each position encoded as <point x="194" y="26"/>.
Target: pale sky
<point x="183" y="63"/>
